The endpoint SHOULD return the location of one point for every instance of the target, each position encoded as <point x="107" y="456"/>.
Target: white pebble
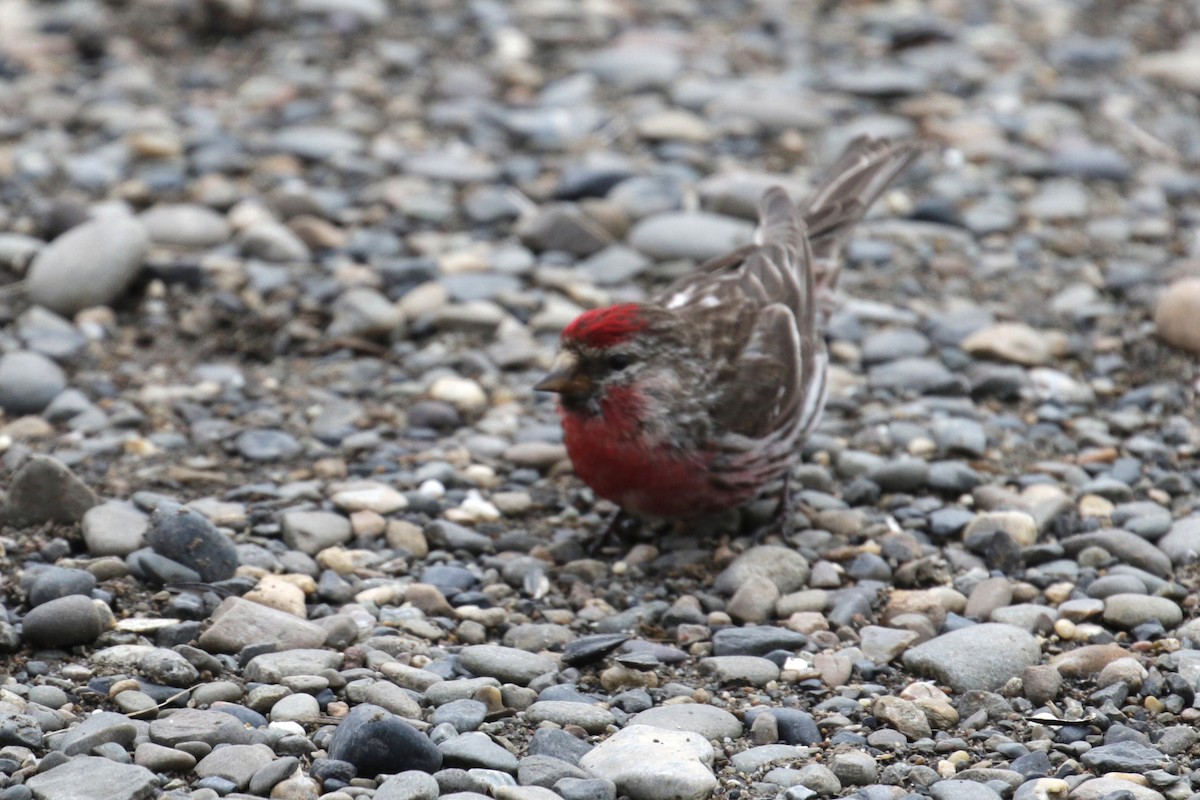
<point x="462" y="393"/>
<point x="479" y="508"/>
<point x="287" y="727"/>
<point x="432" y="489"/>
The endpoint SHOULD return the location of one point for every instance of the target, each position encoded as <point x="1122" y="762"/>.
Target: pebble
<point x="477" y="750"/>
<point x="1019" y="526"/>
<point x="408" y="785"/>
<point x="592" y="719"/>
<point x="236" y="763"/>
<point x="187" y="537"/>
<point x="1176" y="312"/>
<point x="853" y="768"/>
<point x="44" y="490"/>
<point x="975" y="657"/>
<point x="506" y="664"/>
<point x="652" y="764"/>
<point x="260" y="444"/>
<point x="750" y="670"/>
<point x="187" y="725"/>
<point x="29" y="382"/>
<point x="708" y="721"/>
<point x="90" y="265"/>
<point x="238" y="623"/>
<point x="696" y="235"/>
<point x="376" y="741"/>
<point x="114" y="528"/>
<point x="1131" y="610"/>
<point x="1182" y="542"/>
<point x="313" y="531"/>
<point x="784" y="567"/>
<point x="103" y="778"/>
<point x="1016" y="343"/>
<point x="185" y="225"/>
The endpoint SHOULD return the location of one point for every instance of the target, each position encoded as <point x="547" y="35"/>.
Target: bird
<point x="695" y="401"/>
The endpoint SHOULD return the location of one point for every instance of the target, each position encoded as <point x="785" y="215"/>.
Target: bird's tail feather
<point x="864" y="171"/>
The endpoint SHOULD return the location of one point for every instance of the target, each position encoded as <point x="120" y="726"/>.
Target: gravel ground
<point x="285" y="519"/>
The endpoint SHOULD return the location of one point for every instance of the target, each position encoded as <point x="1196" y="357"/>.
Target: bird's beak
<point x="565" y="377"/>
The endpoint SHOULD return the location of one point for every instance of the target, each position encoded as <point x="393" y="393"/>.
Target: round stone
<point x="64" y="622"/>
<point x="187" y="537"/>
<point x="90" y="265"/>
<point x="376" y="742"/>
<point x="28" y="382"/>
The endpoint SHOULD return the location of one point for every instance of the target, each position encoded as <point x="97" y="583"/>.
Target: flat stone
<point x="506" y="664"/>
<point x="1131" y="610"/>
<point x="708" y="721"/>
<point x="648" y="763"/>
<point x="235" y="762"/>
<point x="786" y="568"/>
<point x="274" y="667"/>
<point x="751" y="670"/>
<point x="199" y="725"/>
<point x="592" y="719"/>
<point x="976" y="657"/>
<point x="93" y="778"/>
<point x="237" y="623"/>
<point x="694" y="235"/>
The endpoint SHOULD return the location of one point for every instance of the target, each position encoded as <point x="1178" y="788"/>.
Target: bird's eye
<point x="619" y="361"/>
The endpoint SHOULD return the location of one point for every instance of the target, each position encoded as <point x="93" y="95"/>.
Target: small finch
<point x="693" y="402"/>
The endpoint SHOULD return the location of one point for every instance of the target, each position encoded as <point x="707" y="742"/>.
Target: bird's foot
<point x="782" y="522"/>
<point x="617" y="534"/>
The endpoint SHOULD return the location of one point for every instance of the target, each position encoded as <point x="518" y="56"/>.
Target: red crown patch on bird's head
<point x="604" y="327"/>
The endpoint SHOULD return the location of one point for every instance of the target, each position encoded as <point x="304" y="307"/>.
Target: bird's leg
<point x="619" y="529"/>
<point x="782" y="520"/>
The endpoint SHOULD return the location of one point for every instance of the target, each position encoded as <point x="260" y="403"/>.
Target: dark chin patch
<point x="580" y="403"/>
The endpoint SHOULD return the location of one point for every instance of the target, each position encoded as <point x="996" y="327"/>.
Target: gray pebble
<point x="29" y="382"/>
<point x="89" y="265"/>
<point x="708" y="721"/>
<point x="64" y="622"/>
<point x="506" y="664"/>
<point x="477" y="750"/>
<point x="266" y="444"/>
<point x="408" y="785"/>
<point x="104" y="778"/>
<point x="187" y="537"/>
<point x="1130" y="610"/>
<point x="976" y="657"/>
<point x="698" y="236"/>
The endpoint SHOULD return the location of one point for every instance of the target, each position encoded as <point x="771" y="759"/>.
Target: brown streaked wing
<point x="762" y="393"/>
